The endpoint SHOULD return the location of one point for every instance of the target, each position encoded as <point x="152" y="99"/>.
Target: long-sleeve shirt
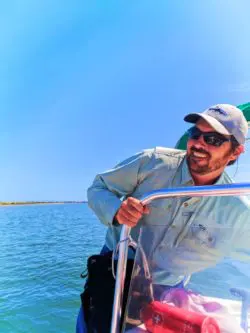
<point x="180" y="235"/>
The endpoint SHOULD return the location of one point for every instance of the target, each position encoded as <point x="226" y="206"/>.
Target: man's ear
<point x="238" y="150"/>
<point x="236" y="153"/>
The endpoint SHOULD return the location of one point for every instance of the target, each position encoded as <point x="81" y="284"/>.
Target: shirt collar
<point x="224" y="179"/>
<point x="186" y="178"/>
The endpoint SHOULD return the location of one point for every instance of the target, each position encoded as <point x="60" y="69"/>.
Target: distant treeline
<point x="7" y="203"/>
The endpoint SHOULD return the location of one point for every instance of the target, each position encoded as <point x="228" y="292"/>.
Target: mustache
<point x="199" y="150"/>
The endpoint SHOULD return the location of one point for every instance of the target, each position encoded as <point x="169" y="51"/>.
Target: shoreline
<point x="7" y="204"/>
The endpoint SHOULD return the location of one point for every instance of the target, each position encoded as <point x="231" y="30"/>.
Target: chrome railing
<point x="192" y="191"/>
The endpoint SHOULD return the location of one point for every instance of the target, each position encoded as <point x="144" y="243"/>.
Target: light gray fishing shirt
<point x="180" y="235"/>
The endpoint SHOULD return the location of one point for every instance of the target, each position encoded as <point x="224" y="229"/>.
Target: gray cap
<point x="225" y="119"/>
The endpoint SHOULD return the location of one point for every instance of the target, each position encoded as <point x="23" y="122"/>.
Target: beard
<point x="205" y="165"/>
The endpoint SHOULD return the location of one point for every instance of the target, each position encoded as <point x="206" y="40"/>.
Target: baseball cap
<point x="226" y="119"/>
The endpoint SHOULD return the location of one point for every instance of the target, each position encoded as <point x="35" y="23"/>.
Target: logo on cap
<point x="218" y="110"/>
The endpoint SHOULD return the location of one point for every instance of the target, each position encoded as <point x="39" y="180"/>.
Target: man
<point x="182" y="235"/>
<point x="185" y="235"/>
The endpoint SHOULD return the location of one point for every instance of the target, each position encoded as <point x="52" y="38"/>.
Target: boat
<point x="144" y="313"/>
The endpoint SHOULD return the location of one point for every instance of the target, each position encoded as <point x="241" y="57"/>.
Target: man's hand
<point x="131" y="212"/>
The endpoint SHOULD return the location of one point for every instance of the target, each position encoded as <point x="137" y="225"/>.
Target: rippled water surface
<point x="43" y="251"/>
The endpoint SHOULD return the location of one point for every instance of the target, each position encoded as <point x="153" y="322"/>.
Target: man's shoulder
<point x="168" y="157"/>
<point x="241" y="203"/>
<point x="168" y="152"/>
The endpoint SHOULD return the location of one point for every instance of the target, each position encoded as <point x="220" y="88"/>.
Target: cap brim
<point x="194" y="117"/>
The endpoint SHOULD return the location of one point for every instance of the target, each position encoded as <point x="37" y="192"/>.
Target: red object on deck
<point x="164" y="318"/>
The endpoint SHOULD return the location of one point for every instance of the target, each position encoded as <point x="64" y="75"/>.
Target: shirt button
<point x="168" y="207"/>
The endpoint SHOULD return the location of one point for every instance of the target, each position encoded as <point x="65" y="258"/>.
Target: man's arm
<point x="104" y="195"/>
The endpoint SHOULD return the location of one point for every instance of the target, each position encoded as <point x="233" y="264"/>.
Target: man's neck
<point x="208" y="179"/>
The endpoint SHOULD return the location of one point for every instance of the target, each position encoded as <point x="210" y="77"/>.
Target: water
<point x="43" y="251"/>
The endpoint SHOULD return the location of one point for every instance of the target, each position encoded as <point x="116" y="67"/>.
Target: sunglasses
<point x="211" y="138"/>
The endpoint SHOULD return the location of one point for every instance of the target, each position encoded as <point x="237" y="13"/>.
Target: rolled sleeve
<point x="104" y="195"/>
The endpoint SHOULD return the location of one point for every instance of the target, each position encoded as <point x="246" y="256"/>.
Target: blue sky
<point x="87" y="84"/>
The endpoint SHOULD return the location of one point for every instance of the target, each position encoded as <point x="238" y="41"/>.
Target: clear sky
<point x="85" y="84"/>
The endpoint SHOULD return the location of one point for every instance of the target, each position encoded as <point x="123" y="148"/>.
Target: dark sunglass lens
<point x="194" y="133"/>
<point x="214" y="140"/>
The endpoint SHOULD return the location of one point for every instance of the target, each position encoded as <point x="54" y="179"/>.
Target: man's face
<point x="203" y="158"/>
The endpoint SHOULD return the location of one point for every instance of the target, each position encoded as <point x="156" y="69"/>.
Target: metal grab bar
<point x="189" y="191"/>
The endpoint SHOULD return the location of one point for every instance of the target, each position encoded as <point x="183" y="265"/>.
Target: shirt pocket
<point x="210" y="235"/>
